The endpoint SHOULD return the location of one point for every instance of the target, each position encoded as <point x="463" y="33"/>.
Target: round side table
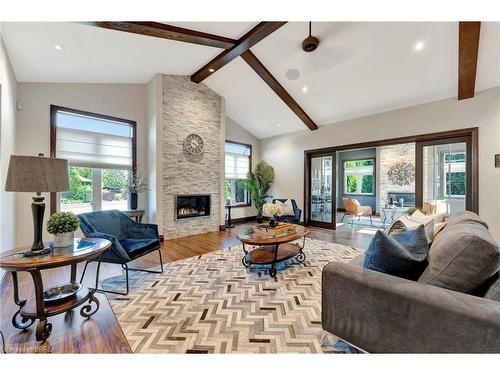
<point x="58" y="299"/>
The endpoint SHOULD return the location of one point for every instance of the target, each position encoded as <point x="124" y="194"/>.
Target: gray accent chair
<point x="380" y="313"/>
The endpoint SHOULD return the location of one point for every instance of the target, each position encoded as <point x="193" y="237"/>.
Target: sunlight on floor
<point x="368" y="230"/>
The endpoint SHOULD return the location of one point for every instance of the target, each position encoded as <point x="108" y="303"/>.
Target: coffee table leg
<point x="272" y="270"/>
<point x="301" y="257"/>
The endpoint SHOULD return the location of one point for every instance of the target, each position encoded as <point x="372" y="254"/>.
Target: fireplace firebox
<point x="189" y="206"/>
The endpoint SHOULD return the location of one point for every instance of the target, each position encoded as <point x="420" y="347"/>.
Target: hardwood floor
<point x="102" y="333"/>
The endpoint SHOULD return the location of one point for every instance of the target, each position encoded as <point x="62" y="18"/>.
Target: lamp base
<point x="33" y="253"/>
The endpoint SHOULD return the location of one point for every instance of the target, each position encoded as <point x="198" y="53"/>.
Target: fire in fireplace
<point x="189" y="206"/>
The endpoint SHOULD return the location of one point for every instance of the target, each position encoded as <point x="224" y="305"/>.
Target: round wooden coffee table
<point x="58" y="299"/>
<point x="273" y="250"/>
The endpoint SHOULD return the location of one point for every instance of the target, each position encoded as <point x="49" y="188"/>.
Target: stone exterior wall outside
<point x="190" y="108"/>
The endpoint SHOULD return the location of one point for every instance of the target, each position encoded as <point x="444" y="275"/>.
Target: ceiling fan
<point x="311" y="42"/>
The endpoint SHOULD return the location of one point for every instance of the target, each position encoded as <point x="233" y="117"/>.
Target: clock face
<point x="193" y="144"/>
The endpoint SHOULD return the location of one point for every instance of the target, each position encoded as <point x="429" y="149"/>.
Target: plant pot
<point x="260" y="219"/>
<point x="64" y="239"/>
<point x="132" y="201"/>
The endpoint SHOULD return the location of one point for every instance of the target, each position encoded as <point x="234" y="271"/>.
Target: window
<point x="454" y="169"/>
<point x="359" y="176"/>
<point x="101" y="152"/>
<point x="238" y="159"/>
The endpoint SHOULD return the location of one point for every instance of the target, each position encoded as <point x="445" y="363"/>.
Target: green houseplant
<point x="258" y="183"/>
<point x="63" y="225"/>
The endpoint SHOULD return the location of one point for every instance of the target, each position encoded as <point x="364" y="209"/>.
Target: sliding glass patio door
<point x="321" y="203"/>
<point x="444" y="175"/>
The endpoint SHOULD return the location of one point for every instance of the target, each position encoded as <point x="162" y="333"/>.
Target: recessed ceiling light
<point x="211" y="70"/>
<point x="59" y="47"/>
<point x="304" y="89"/>
<point x="419" y="46"/>
<point x="278" y="125"/>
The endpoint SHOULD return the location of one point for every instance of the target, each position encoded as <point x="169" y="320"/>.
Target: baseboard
<point x="238" y="220"/>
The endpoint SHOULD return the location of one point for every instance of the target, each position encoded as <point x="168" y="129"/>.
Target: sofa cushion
<point x="494" y="291"/>
<point x="402" y="254"/>
<point x="463" y="255"/>
<point x="466" y="217"/>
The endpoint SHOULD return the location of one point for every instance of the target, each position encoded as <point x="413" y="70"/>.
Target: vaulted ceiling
<point x="360" y="68"/>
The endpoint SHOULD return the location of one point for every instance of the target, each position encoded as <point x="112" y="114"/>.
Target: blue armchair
<point x="290" y="218"/>
<point x="129" y="239"/>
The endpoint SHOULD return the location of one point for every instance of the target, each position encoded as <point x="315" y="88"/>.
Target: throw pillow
<point x="405" y="223"/>
<point x="287" y="207"/>
<point x="402" y="254"/>
<point x="463" y="256"/>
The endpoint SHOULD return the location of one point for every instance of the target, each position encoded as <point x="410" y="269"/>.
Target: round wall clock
<point x="193" y="144"/>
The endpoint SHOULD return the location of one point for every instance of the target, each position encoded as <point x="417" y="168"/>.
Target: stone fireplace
<point x="188" y="187"/>
<point x="190" y="206"/>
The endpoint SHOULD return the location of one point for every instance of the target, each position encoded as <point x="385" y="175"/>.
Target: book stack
<point x="281" y="229"/>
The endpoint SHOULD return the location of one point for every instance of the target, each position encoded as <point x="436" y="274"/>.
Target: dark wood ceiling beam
<point x="161" y="30"/>
<point x="468" y="47"/>
<point x="273" y="83"/>
<point x="254" y="36"/>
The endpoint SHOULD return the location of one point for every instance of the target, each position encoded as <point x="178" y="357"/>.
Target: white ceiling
<point x="360" y="68"/>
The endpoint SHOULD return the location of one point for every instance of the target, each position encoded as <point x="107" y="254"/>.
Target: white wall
<point x="8" y="96"/>
<point x="235" y="132"/>
<point x="286" y="153"/>
<point x="127" y="101"/>
<point x="154" y="117"/>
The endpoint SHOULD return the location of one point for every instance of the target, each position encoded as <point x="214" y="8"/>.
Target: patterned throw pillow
<point x="402" y="254"/>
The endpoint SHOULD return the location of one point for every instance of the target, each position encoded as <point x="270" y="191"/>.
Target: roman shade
<point x="237" y="161"/>
<point x="93" y="142"/>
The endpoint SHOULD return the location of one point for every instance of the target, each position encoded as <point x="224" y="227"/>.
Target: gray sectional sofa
<point x="380" y="313"/>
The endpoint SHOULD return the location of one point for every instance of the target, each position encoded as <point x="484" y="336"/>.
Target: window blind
<point x="93" y="142"/>
<point x="237" y="161"/>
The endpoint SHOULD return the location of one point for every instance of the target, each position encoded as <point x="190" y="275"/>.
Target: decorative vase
<point x="64" y="239"/>
<point x="272" y="222"/>
<point x="132" y="201"/>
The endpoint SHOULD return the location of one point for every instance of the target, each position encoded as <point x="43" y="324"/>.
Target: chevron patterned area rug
<point x="213" y="304"/>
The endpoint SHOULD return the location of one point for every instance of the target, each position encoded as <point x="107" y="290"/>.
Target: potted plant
<point x="63" y="225"/>
<point x="135" y="185"/>
<point x="258" y="183"/>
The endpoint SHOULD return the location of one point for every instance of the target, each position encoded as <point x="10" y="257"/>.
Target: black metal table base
<point x="23" y="320"/>
<point x="299" y="256"/>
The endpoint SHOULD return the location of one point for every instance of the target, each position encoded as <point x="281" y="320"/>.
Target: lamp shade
<point x="37" y="174"/>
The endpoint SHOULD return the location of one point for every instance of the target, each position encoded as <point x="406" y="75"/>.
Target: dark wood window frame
<point x="250" y="168"/>
<point x="471" y="136"/>
<point x="53" y="137"/>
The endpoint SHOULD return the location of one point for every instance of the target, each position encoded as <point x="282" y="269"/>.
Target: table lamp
<point x="37" y="174"/>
